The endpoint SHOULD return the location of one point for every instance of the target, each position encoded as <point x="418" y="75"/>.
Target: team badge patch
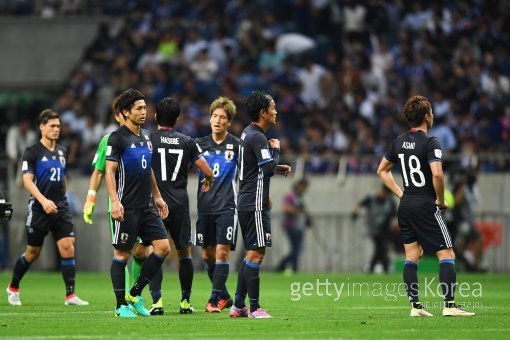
<point x="109" y="150"/>
<point x="229" y="155"/>
<point x="24" y="166"/>
<point x="438" y="153"/>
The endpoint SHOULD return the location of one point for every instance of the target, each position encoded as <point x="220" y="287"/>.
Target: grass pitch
<point x="303" y="306"/>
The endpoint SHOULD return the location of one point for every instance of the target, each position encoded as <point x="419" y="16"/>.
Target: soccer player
<point x="130" y="182"/>
<point x="44" y="177"/>
<point x="140" y="252"/>
<point x="419" y="214"/>
<point x="258" y="162"/>
<point x="217" y="216"/>
<point x="173" y="153"/>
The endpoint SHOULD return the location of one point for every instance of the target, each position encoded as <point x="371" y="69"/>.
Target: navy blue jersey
<point x="134" y="155"/>
<point x="254" y="151"/>
<point x="49" y="169"/>
<point x="414" y="151"/>
<point x="173" y="155"/>
<point x="222" y="158"/>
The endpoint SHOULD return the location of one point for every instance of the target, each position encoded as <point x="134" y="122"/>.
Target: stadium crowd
<point x="339" y="70"/>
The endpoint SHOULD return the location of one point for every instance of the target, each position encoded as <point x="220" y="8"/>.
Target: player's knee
<point x="222" y="255"/>
<point x="140" y="252"/>
<point x="32" y="255"/>
<point x="208" y="256"/>
<point x="446" y="254"/>
<point x="162" y="250"/>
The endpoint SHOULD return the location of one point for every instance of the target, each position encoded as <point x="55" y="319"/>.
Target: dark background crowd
<point x="339" y="71"/>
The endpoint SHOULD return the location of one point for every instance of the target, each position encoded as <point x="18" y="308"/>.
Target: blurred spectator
<point x="19" y="137"/>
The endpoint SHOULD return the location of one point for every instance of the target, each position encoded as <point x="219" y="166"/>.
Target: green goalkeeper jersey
<point x="99" y="161"/>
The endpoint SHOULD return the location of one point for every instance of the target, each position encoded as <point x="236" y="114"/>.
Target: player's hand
<point x="206" y="185"/>
<point x="274" y="143"/>
<point x="49" y="207"/>
<point x="282" y="169"/>
<point x="161" y="206"/>
<point x="117" y="211"/>
<point x="270" y="203"/>
<point x="442" y="205"/>
<point x="88" y="208"/>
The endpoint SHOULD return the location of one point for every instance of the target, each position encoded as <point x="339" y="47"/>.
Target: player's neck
<point x="49" y="143"/>
<point x="423" y="127"/>
<point x="219" y="137"/>
<point x="261" y="124"/>
<point x="133" y="127"/>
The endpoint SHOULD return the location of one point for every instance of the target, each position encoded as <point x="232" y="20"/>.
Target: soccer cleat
<point x="124" y="312"/>
<point x="212" y="308"/>
<point x="137" y="303"/>
<point x="260" y="313"/>
<point x="157" y="308"/>
<point x="225" y="303"/>
<point x="452" y="309"/>
<point x="239" y="312"/>
<point x="13" y="296"/>
<point x="417" y="310"/>
<point x="73" y="300"/>
<point x="185" y="307"/>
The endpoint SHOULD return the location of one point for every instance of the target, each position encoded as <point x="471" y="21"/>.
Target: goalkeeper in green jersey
<point x="140" y="252"/>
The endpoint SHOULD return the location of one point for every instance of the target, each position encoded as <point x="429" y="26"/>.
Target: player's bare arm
<point x="384" y="171"/>
<point x="158" y="200"/>
<point x="48" y="205"/>
<point x="438" y="182"/>
<point x="208" y="180"/>
<point x="283" y="169"/>
<point x="111" y="187"/>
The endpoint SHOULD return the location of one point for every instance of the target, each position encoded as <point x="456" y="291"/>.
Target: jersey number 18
<point x="414" y="169"/>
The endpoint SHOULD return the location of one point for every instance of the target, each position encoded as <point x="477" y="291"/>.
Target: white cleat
<point x="456" y="311"/>
<point x="13" y="297"/>
<point x="419" y="312"/>
<point x="75" y="301"/>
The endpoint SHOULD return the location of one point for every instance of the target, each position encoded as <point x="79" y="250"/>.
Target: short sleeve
<point x="99" y="161"/>
<point x="261" y="149"/>
<point x="391" y="155"/>
<point x="194" y="148"/>
<point x="434" y="153"/>
<point x="114" y="147"/>
<point x="28" y="161"/>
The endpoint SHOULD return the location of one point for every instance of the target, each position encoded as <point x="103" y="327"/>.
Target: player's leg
<point x="209" y="257"/>
<point x="221" y="275"/>
<point x="20" y="268"/>
<point x="65" y="247"/>
<point x="112" y="233"/>
<point x="139" y="253"/>
<point x="249" y="235"/>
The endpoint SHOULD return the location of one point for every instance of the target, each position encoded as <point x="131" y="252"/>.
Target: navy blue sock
<point x="210" y="270"/>
<point x="448" y="278"/>
<point x="186" y="276"/>
<point x="117" y="272"/>
<point x="241" y="286"/>
<point x="149" y="269"/>
<point x="411" y="280"/>
<point x="20" y="268"/>
<point x="155" y="285"/>
<point x="219" y="279"/>
<point x="253" y="284"/>
<point x="68" y="268"/>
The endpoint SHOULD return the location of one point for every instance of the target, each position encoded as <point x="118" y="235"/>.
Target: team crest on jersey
<point x="200" y="238"/>
<point x="62" y="160"/>
<point x="268" y="237"/>
<point x="230" y="146"/>
<point x="149" y="144"/>
<point x="141" y="143"/>
<point x="229" y="155"/>
<point x="124" y="237"/>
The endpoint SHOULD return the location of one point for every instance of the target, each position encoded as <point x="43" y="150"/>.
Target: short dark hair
<point x="128" y="98"/>
<point x="257" y="101"/>
<point x="415" y="110"/>
<point x="46" y="115"/>
<point x="167" y="112"/>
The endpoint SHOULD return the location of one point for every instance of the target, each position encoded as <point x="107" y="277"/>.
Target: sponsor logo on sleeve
<point x="265" y="154"/>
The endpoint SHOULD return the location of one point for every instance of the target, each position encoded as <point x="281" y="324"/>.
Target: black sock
<point x="149" y="269"/>
<point x="253" y="284"/>
<point x="68" y="268"/>
<point x="117" y="272"/>
<point x="411" y="281"/>
<point x="186" y="276"/>
<point x="155" y="285"/>
<point x="241" y="286"/>
<point x="448" y="278"/>
<point x="20" y="268"/>
<point x="210" y="270"/>
<point x="219" y="279"/>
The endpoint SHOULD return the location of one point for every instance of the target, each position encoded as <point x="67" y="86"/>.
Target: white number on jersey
<point x="55" y="175"/>
<point x="414" y="169"/>
<point x="179" y="153"/>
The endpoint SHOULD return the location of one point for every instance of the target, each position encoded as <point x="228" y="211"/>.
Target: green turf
<point x="371" y="314"/>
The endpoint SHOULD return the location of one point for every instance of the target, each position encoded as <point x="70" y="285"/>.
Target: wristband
<point x="91" y="195"/>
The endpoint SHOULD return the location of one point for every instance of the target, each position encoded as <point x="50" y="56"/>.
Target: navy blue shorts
<point x="426" y="225"/>
<point x="217" y="229"/>
<point x="144" y="223"/>
<point x="39" y="224"/>
<point x="255" y="228"/>
<point x="178" y="225"/>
